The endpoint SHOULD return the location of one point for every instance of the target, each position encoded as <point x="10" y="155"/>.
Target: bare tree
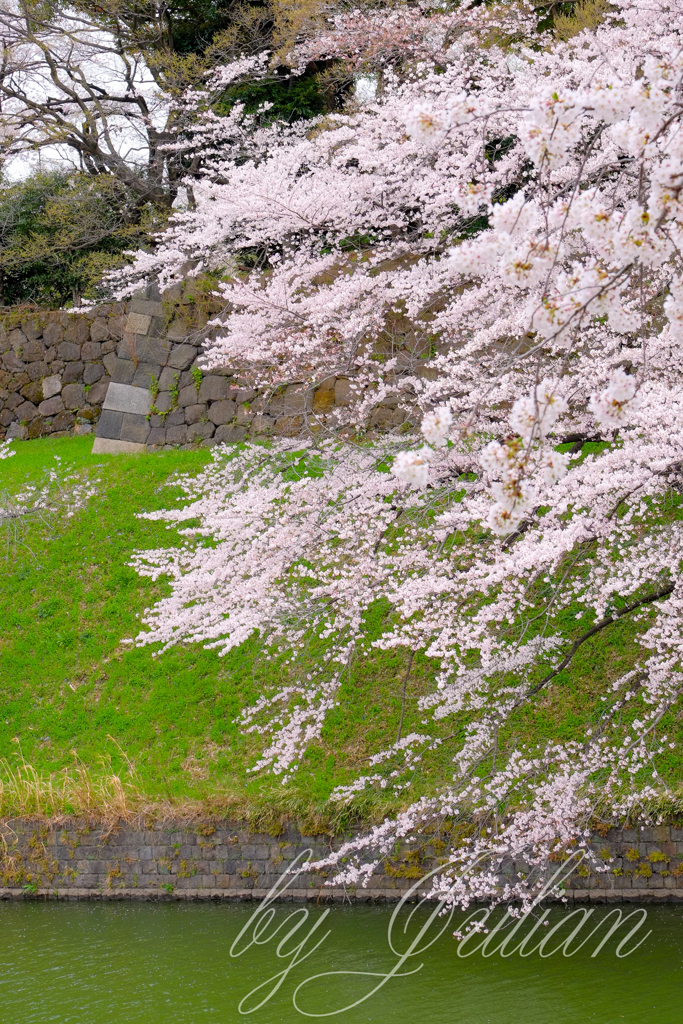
<point x="101" y="85"/>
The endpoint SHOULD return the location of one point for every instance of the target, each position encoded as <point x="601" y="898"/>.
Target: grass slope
<point x="74" y="699"/>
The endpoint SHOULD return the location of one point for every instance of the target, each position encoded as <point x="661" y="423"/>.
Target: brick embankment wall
<point x="77" y="860"/>
<point x="57" y="368"/>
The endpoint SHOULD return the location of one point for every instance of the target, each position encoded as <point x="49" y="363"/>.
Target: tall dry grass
<point x="27" y="792"/>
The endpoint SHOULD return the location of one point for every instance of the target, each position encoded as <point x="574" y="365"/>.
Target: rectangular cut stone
<point x="138" y="323"/>
<point x="109" y="424"/>
<point x="147" y="307"/>
<point x="144" y="374"/>
<point x="135" y="428"/>
<point x="126" y="398"/>
<point x="107" y="446"/>
<point x="152" y="350"/>
<point x="121" y="371"/>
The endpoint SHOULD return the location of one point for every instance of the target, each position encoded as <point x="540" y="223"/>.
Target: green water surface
<point x="129" y="963"/>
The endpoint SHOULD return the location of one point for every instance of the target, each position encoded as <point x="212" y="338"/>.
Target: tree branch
<point x="663" y="592"/>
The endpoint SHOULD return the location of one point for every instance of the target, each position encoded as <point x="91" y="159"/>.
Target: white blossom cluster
<point x="490" y="244"/>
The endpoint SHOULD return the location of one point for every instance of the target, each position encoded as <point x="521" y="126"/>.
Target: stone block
<point x="98" y="391"/>
<point x="157" y="328"/>
<point x="17" y="340"/>
<point x="138" y="323"/>
<point x="163" y="401"/>
<point x="146" y="308"/>
<point x="17" y="432"/>
<point x="135" y="428"/>
<point x="13" y="363"/>
<point x="6" y="418"/>
<point x="109" y="424"/>
<point x="167" y="378"/>
<point x="385" y="418"/>
<point x="32" y="351"/>
<point x="188" y="396"/>
<point x="175" y="418"/>
<point x="51" y="406"/>
<point x="230" y="435"/>
<point x="193" y="413"/>
<point x="125" y="348"/>
<point x="126" y="398"/>
<point x="77" y="331"/>
<point x="200" y="431"/>
<point x="222" y="412"/>
<point x="69" y="351"/>
<point x="142" y="378"/>
<point x="53" y="334"/>
<point x="63" y="421"/>
<point x="72" y="372"/>
<point x="262" y="424"/>
<point x="323" y="401"/>
<point x="342" y="392"/>
<point x="181" y="357"/>
<point x="177" y="330"/>
<point x="244" y="415"/>
<point x="33" y="392"/>
<point x="288" y="426"/>
<point x="91" y="350"/>
<point x="38" y="370"/>
<point x="32" y="329"/>
<point x="37" y="428"/>
<point x="212" y="389"/>
<point x="92" y="372"/>
<point x="296" y="400"/>
<point x="99" y="330"/>
<point x="108" y="446"/>
<point x="176" y="434"/>
<point x="72" y="395"/>
<point x="121" y="371"/>
<point x="26" y="412"/>
<point x="152" y="350"/>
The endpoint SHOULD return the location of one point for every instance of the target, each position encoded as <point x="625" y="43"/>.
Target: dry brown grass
<point x="25" y="791"/>
<point x="108" y="799"/>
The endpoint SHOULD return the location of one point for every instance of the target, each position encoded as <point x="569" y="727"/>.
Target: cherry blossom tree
<point x="492" y="241"/>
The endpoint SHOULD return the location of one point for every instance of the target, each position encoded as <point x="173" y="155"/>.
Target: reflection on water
<point x="130" y="963"/>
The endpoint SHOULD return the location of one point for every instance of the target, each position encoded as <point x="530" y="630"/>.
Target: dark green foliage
<point x="194" y="23"/>
<point x="60" y="232"/>
<point x="291" y="98"/>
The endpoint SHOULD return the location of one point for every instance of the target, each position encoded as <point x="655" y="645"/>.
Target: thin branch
<point x="663" y="592"/>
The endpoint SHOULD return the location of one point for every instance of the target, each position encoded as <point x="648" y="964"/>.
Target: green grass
<point x="72" y="695"/>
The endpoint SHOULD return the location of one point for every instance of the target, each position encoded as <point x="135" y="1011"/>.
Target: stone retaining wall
<point x="56" y="369"/>
<point x="77" y="860"/>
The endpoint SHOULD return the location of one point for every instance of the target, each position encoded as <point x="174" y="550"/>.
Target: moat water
<point x="146" y="963"/>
